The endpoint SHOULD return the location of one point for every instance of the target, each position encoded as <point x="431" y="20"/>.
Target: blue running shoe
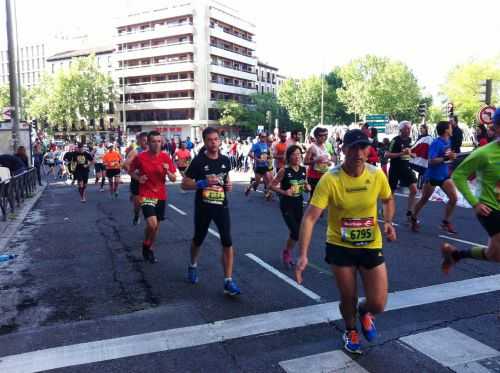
<point x="351" y="342"/>
<point x="192" y="276"/>
<point x="368" y="326"/>
<point x="230" y="288"/>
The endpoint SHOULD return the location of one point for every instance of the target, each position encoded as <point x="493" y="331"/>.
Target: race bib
<point x="81" y="159"/>
<point x="297" y="187"/>
<point x="149" y="202"/>
<point x="359" y="231"/>
<point x="114" y="165"/>
<point x="213" y="195"/>
<point x="321" y="167"/>
<point x="263" y="157"/>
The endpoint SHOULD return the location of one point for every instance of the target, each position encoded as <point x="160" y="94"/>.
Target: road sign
<point x="379" y="121"/>
<point x="485" y="115"/>
<point x="7" y="113"/>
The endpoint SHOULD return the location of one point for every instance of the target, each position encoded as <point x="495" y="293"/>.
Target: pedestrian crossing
<point x="446" y="346"/>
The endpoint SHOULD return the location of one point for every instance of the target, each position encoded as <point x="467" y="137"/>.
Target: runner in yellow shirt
<point x="354" y="240"/>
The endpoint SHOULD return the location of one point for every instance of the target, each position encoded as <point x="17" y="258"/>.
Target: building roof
<point x="81" y="53"/>
<point x="266" y="65"/>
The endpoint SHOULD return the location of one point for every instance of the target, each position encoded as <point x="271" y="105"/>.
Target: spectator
<point x="38" y="159"/>
<point x="21" y="154"/>
<point x="13" y="163"/>
<point x="189" y="144"/>
<point x="457" y="136"/>
<point x="481" y="135"/>
<point x="372" y="156"/>
<point x="382" y="149"/>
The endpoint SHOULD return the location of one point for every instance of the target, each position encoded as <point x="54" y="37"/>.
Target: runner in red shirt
<point x="150" y="169"/>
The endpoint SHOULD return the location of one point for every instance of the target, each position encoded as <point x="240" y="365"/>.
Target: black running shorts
<point x="491" y="222"/>
<point x="82" y="176"/>
<point x="261" y="170"/>
<point x="153" y="207"/>
<point x="112" y="172"/>
<point x="353" y="257"/>
<point x="203" y="215"/>
<point x="134" y="187"/>
<point x="99" y="167"/>
<point x="404" y="175"/>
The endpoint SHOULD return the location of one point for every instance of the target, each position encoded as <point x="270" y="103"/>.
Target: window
<point x="183" y="76"/>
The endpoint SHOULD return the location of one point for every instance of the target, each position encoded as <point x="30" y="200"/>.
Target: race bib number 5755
<point x="358" y="231"/>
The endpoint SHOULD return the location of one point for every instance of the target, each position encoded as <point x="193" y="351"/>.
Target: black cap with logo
<point x="355" y="137"/>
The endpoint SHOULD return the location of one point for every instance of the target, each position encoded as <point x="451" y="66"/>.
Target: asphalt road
<point x="80" y="278"/>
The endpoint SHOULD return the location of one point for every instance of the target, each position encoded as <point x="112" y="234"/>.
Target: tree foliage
<point x="231" y="112"/>
<point x="463" y="85"/>
<point x="378" y="85"/>
<point x="26" y="97"/>
<point x="80" y="93"/>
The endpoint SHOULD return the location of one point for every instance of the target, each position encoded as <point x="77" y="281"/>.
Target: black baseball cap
<point x="355" y="137"/>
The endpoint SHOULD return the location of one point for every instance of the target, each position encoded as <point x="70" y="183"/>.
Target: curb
<point x="13" y="225"/>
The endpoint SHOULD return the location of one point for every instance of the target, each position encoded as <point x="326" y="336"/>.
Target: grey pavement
<point x="80" y="278"/>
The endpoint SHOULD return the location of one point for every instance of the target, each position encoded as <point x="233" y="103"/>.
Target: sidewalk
<point x="8" y="228"/>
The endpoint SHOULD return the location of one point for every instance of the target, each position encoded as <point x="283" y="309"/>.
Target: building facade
<point x="31" y="65"/>
<point x="173" y="64"/>
<point x="63" y="60"/>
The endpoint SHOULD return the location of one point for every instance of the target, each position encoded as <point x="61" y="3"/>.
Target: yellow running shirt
<point x="352" y="206"/>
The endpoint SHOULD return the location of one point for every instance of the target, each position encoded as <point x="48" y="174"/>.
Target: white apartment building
<point x="63" y="60"/>
<point x="266" y="78"/>
<point x="174" y="63"/>
<point x="31" y="65"/>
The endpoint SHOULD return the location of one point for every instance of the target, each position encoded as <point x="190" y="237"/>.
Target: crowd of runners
<point x="347" y="176"/>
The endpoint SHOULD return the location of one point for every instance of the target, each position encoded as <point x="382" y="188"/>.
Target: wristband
<point x="202" y="184"/>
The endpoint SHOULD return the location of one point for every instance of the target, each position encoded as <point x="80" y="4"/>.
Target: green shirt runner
<point x="485" y="162"/>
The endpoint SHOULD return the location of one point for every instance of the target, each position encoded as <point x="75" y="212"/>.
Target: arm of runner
<point x="228" y="185"/>
<point x="130" y="157"/>
<point x="469" y="166"/>
<point x="171" y="170"/>
<point x="275" y="184"/>
<point x="306" y="230"/>
<point x="189" y="180"/>
<point x="391" y="154"/>
<point x="389" y="207"/>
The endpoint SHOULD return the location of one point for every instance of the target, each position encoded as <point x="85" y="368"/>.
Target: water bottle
<point x="6" y="257"/>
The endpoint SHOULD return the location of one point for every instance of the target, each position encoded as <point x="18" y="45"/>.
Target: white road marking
<point x="214" y="233"/>
<point x="333" y="361"/>
<point x="285" y="278"/>
<point x="451" y="348"/>
<point x="168" y="340"/>
<point x="382" y="220"/>
<point x="177" y="210"/>
<point x="462" y="241"/>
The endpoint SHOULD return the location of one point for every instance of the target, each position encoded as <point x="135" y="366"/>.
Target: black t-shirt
<point x="13" y="163"/>
<point x="295" y="180"/>
<point x="81" y="160"/>
<point x="202" y="167"/>
<point x="397" y="145"/>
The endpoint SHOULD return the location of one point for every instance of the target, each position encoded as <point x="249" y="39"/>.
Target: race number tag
<point x="263" y="157"/>
<point x="297" y="187"/>
<point x="213" y="195"/>
<point x="358" y="232"/>
<point x="149" y="202"/>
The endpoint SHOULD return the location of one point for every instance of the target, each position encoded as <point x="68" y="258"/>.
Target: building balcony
<point x="219" y="33"/>
<point x="155" y="33"/>
<point x="160" y="50"/>
<point x="159" y="104"/>
<point x="225" y="88"/>
<point x="162" y="123"/>
<point x="230" y="55"/>
<point x="232" y="20"/>
<point x="161" y="86"/>
<point x="155" y="69"/>
<point x="228" y="71"/>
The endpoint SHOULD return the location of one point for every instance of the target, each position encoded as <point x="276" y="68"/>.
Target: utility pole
<point x="13" y="75"/>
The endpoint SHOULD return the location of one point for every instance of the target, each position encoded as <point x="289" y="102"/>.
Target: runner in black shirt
<point x="290" y="183"/>
<point x="82" y="159"/>
<point x="208" y="173"/>
<point x="400" y="171"/>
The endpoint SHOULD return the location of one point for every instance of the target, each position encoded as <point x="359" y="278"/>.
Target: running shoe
<point x="145" y="254"/>
<point x="368" y="326"/>
<point x="449" y="261"/>
<point x="101" y="190"/>
<point x="136" y="220"/>
<point x="116" y="194"/>
<point x="408" y="217"/>
<point x="152" y="258"/>
<point x="268" y="195"/>
<point x="352" y="343"/>
<point x="247" y="190"/>
<point x="230" y="288"/>
<point x="447" y="227"/>
<point x="192" y="275"/>
<point x="287" y="258"/>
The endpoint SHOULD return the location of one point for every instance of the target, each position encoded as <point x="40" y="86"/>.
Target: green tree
<point x="231" y="112"/>
<point x="434" y="114"/>
<point x="80" y="93"/>
<point x="463" y="85"/>
<point x="26" y="98"/>
<point x="378" y="85"/>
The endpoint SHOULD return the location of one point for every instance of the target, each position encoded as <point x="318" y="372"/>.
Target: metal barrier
<point x="15" y="190"/>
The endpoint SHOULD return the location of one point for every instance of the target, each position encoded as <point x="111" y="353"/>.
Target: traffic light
<point x="422" y="110"/>
<point x="450" y="109"/>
